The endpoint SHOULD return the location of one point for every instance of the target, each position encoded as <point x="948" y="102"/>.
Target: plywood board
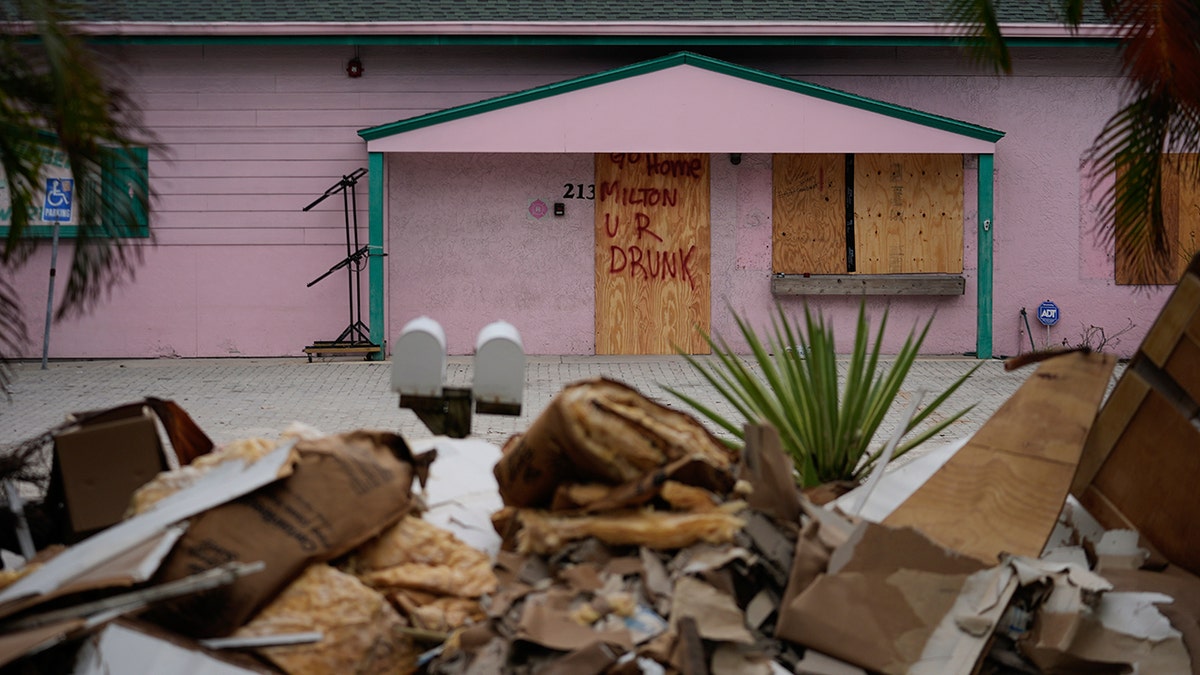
<point x="1141" y="463"/>
<point x="908" y="213"/>
<point x="1181" y="226"/>
<point x="652" y="253"/>
<point x="1003" y="491"/>
<point x="1187" y="230"/>
<point x="808" y="214"/>
<point x="1149" y="481"/>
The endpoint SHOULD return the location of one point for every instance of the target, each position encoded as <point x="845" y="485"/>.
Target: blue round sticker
<point x="1048" y="313"/>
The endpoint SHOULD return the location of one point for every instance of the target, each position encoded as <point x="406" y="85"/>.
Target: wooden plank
<point x="1183" y="366"/>
<point x="1003" y="491"/>
<point x="1174" y="319"/>
<point x="908" y="213"/>
<point x="652" y="253"/>
<point x="1150" y="480"/>
<point x="1141" y="463"/>
<point x="1110" y="424"/>
<point x="868" y="284"/>
<point x="808" y="214"/>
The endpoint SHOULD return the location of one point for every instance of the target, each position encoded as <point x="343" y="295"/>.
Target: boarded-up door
<point x="652" y="253"/>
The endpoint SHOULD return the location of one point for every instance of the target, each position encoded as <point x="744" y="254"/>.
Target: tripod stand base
<point x="341" y="348"/>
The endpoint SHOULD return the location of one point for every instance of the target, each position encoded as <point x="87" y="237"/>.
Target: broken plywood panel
<point x="1141" y="463"/>
<point x="1003" y="491"/>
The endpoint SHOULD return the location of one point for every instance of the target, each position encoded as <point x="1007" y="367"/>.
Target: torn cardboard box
<point x="894" y="602"/>
<point x="101" y="457"/>
<point x="343" y="491"/>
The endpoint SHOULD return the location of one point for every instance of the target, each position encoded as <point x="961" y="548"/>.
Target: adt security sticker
<point x="57" y="207"/>
<point x="1048" y="313"/>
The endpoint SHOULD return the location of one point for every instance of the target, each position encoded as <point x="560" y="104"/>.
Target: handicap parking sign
<point x="1048" y="313"/>
<point x="57" y="206"/>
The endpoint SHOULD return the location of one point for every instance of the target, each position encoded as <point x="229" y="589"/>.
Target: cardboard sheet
<point x="716" y="614"/>
<point x="227" y="482"/>
<point x="546" y="621"/>
<point x="883" y="597"/>
<point x="344" y="490"/>
<point x="771" y="473"/>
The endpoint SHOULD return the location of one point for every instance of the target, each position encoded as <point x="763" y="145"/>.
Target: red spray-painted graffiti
<point x="634" y="248"/>
<point x="650" y="263"/>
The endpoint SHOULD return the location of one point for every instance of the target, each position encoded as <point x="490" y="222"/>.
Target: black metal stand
<point x="356" y="338"/>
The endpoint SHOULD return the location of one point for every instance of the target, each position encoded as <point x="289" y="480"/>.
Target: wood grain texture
<point x="908" y="213"/>
<point x="1141" y="463"/>
<point x="1181" y="226"/>
<point x="1002" y="492"/>
<point x="1150" y="479"/>
<point x="869" y="284"/>
<point x="1173" y="320"/>
<point x="808" y="214"/>
<point x="652" y="253"/>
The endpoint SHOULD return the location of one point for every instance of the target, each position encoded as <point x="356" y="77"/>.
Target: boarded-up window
<point x="808" y="213"/>
<point x="1181" y="221"/>
<point x="907" y="214"/>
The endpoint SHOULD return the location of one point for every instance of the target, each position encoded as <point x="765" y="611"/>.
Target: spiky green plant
<point x="828" y="430"/>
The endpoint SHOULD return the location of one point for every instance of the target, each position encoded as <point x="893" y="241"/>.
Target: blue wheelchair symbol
<point x="57" y="206"/>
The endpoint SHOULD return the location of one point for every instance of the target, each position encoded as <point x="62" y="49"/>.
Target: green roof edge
<point x="670" y="61"/>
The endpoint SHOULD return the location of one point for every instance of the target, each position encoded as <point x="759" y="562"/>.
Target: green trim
<point x="672" y="41"/>
<point x="691" y="59"/>
<point x="985" y="226"/>
<point x="377" y="286"/>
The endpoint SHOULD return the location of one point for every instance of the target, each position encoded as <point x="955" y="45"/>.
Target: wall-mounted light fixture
<point x="354" y="68"/>
<point x="735" y="158"/>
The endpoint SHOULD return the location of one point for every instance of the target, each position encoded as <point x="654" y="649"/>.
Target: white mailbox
<point x="499" y="370"/>
<point x="419" y="358"/>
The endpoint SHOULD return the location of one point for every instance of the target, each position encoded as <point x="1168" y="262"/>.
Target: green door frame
<point x="376" y="285"/>
<point x="984" y="226"/>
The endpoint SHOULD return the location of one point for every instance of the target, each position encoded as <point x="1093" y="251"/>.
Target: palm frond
<point x="60" y="96"/>
<point x="985" y="45"/>
<point x="1161" y="60"/>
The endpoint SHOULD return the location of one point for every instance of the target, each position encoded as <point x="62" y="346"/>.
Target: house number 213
<point x="576" y="191"/>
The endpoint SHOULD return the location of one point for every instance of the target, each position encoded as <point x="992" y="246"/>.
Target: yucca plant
<point x="827" y="428"/>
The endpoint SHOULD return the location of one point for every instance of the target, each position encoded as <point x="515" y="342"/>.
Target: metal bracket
<point x="448" y="414"/>
<point x="987" y="225"/>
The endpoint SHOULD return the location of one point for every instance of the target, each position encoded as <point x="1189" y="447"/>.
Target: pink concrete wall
<point x="252" y="134"/>
<point x="465" y="249"/>
<point x="247" y="137"/>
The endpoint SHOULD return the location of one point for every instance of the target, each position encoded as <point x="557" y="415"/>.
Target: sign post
<point x="56" y="208"/>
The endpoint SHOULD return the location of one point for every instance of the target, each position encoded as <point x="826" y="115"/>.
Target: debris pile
<point x="619" y="536"/>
